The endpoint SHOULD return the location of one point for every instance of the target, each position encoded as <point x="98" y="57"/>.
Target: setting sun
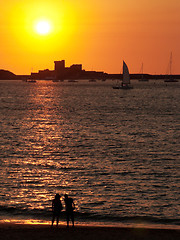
<point x="43" y="27"/>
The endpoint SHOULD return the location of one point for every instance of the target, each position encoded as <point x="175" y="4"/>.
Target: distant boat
<point x="169" y="72"/>
<point x="50" y="78"/>
<point x="72" y="80"/>
<point x="92" y="80"/>
<point x="142" y="79"/>
<point x="125" y="84"/>
<point x="31" y="81"/>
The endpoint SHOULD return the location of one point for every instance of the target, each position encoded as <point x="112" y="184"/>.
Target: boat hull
<point x="123" y="87"/>
<point x="171" y="80"/>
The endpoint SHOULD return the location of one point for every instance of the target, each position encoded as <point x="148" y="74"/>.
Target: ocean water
<point x="116" y="152"/>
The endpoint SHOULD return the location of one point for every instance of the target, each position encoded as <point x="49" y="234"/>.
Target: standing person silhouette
<point x="70" y="206"/>
<point x="56" y="208"/>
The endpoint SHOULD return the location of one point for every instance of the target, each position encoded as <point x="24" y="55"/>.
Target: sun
<point x="43" y="27"/>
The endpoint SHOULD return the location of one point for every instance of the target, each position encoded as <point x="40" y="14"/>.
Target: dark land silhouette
<point x="74" y="72"/>
<point x="7" y="75"/>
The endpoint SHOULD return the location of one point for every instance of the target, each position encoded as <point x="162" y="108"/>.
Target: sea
<point x="115" y="152"/>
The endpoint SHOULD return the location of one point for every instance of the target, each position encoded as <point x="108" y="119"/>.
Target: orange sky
<point x="98" y="34"/>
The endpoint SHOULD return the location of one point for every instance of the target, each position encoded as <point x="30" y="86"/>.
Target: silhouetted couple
<point x="57" y="208"/>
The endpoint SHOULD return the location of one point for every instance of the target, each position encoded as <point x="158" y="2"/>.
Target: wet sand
<point x="9" y="231"/>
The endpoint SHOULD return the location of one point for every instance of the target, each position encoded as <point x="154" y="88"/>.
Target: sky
<point x="99" y="34"/>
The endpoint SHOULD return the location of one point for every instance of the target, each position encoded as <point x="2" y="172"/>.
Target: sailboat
<point x="169" y="74"/>
<point x="142" y="79"/>
<point x="125" y="84"/>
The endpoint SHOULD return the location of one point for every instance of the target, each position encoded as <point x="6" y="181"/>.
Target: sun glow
<point x="40" y="28"/>
<point x="43" y="27"/>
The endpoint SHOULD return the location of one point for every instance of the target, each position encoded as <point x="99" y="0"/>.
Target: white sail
<point x="126" y="77"/>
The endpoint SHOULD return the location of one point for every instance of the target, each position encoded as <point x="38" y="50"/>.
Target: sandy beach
<point x="45" y="232"/>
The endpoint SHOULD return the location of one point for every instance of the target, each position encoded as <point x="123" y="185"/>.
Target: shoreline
<point x="38" y="222"/>
<point x="46" y="232"/>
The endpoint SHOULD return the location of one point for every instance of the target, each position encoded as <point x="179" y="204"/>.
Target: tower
<point x="59" y="69"/>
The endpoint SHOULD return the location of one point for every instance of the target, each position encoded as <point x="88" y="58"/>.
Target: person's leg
<point x="67" y="218"/>
<point x="53" y="218"/>
<point x="72" y="218"/>
<point x="57" y="220"/>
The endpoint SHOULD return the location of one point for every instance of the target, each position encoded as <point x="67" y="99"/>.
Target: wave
<point x="45" y="214"/>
